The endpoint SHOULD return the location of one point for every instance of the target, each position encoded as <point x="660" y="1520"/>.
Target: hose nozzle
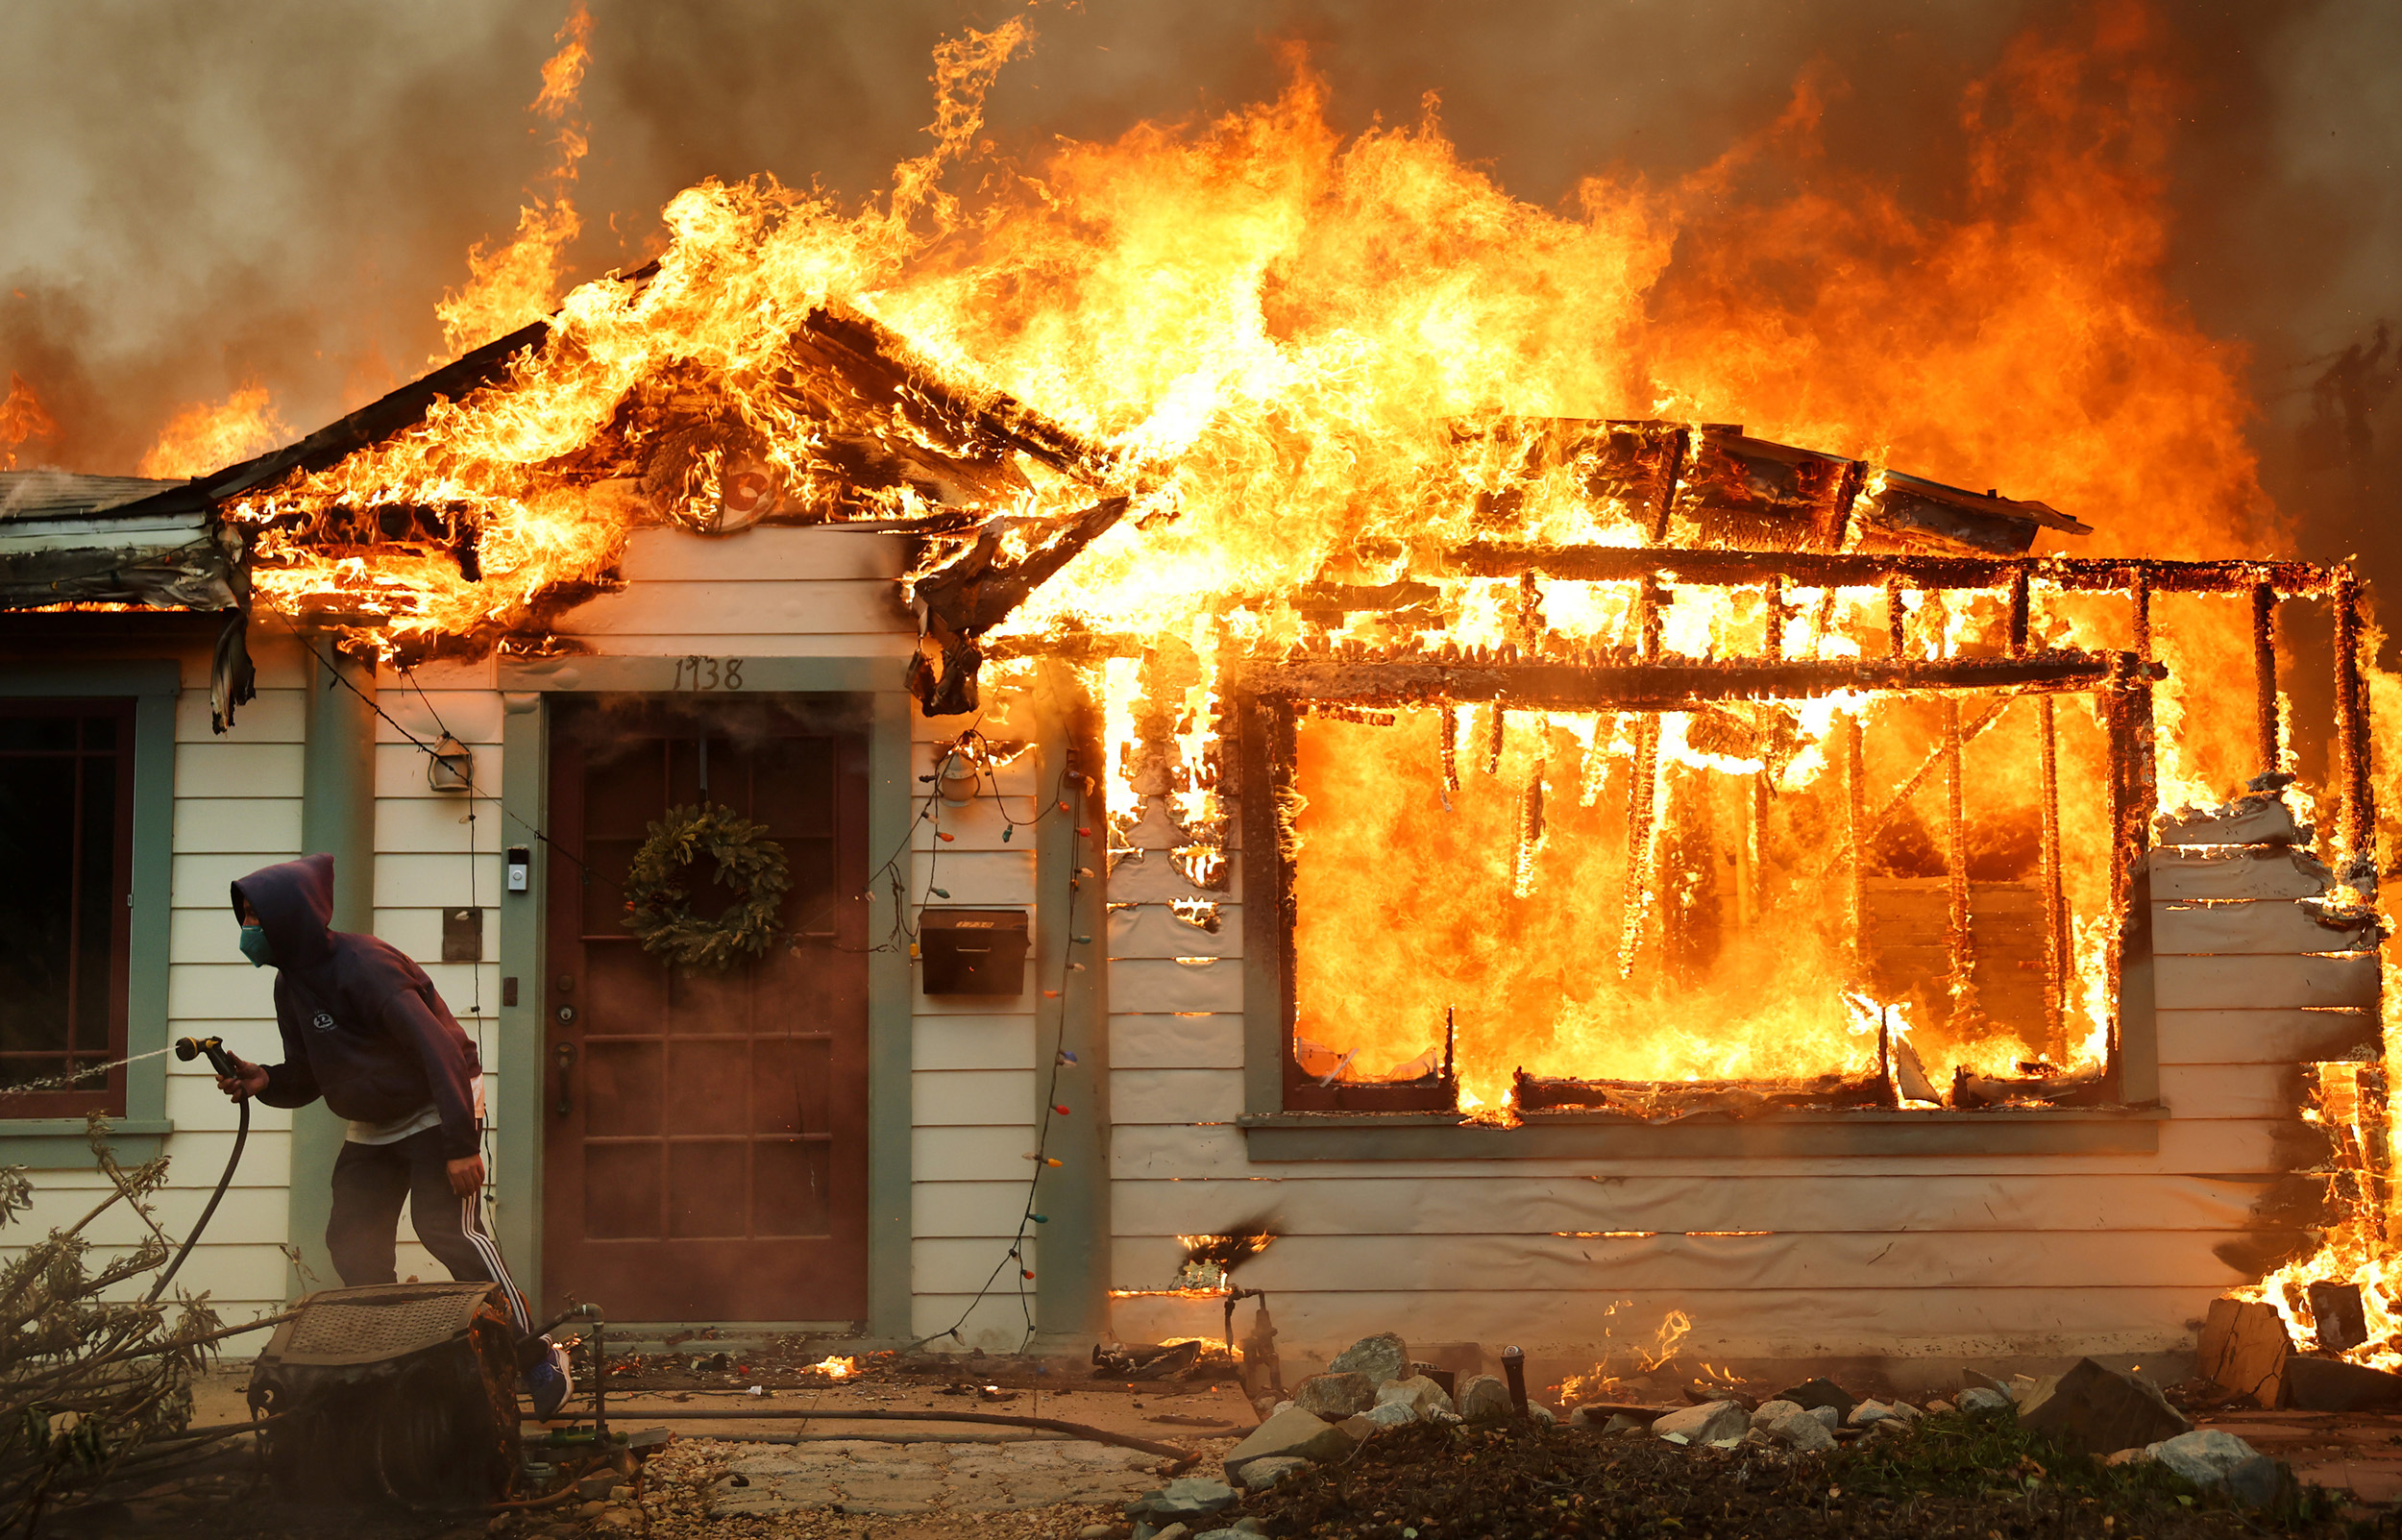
<point x="188" y="1049"/>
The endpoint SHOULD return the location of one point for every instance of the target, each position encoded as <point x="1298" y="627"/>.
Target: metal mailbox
<point x="972" y="951"/>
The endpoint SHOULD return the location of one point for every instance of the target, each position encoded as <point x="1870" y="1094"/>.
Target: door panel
<point x="705" y="1145"/>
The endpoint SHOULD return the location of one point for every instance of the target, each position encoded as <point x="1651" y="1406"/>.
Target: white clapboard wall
<point x="1874" y="1256"/>
<point x="439" y="852"/>
<point x="236" y="808"/>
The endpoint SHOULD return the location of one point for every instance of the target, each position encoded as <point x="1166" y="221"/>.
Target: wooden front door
<point x="705" y="1141"/>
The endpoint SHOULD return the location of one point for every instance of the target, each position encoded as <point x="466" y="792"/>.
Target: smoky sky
<point x="198" y="195"/>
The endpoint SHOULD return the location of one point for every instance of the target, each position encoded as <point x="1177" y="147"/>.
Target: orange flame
<point x="521" y="281"/>
<point x="22" y="420"/>
<point x="205" y="436"/>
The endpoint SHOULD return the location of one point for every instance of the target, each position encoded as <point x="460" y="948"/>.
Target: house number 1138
<point x="708" y="674"/>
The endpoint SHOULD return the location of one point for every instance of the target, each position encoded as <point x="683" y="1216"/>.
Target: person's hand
<point x="466" y="1174"/>
<point x="248" y="1081"/>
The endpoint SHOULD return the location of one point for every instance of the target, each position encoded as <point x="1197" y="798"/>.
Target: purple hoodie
<point x="362" y="1025"/>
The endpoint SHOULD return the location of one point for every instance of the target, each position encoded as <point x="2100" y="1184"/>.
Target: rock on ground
<point x="1188" y="1496"/>
<point x="2331" y="1384"/>
<point x="1294" y="1432"/>
<point x="2212" y="1459"/>
<point x="1422" y="1395"/>
<point x="2099" y="1410"/>
<point x="1335" y="1396"/>
<point x="1392" y="1414"/>
<point x="1821" y="1392"/>
<point x="1798" y="1427"/>
<point x="1982" y="1399"/>
<point x="1260" y="1474"/>
<point x="1705" y="1425"/>
<point x="1485" y="1399"/>
<point x="1381" y="1357"/>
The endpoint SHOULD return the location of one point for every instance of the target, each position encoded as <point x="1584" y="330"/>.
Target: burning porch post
<point x="2264" y="673"/>
<point x="1956" y="863"/>
<point x="1642" y="792"/>
<point x="2352" y="741"/>
<point x="2134" y="795"/>
<point x="1855" y="825"/>
<point x="2057" y="952"/>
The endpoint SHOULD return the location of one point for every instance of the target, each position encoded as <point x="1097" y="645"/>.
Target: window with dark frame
<point x="66" y="825"/>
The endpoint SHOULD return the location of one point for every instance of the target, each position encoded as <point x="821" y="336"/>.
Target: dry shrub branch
<point x="91" y="1370"/>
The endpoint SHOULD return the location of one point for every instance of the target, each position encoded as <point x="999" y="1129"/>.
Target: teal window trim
<point x="153" y="683"/>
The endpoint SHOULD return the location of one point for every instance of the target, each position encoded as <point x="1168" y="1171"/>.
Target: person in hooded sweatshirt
<point x="363" y="1028"/>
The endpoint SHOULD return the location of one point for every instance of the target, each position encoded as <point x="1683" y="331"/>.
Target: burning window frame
<point x="1267" y="697"/>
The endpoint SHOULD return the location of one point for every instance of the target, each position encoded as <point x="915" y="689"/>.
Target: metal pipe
<point x="2264" y="673"/>
<point x="2056" y="949"/>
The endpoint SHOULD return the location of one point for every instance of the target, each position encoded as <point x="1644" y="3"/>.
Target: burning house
<point x="1554" y="873"/>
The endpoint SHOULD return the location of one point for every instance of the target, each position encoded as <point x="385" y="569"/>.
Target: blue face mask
<point x="255" y="946"/>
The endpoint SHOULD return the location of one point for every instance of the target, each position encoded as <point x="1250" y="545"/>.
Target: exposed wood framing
<point x="1642" y="842"/>
<point x="1855" y="828"/>
<point x="1956" y="856"/>
<point x="1658" y="686"/>
<point x="1807" y="568"/>
<point x="2140" y="590"/>
<point x="2264" y="673"/>
<point x="2056" y="948"/>
<point x="2359" y="830"/>
<point x="2134" y="797"/>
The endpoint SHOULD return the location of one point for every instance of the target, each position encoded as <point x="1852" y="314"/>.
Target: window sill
<point x="57" y="1143"/>
<point x="1762" y="1135"/>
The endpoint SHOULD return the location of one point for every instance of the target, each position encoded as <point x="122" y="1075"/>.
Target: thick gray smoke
<point x="197" y="196"/>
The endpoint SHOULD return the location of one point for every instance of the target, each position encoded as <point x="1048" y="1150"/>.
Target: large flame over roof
<point x="1288" y="326"/>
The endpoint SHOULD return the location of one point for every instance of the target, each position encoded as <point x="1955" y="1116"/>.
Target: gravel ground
<point x="1948" y="1476"/>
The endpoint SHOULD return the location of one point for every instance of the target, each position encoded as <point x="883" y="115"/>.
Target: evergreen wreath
<point x="658" y="904"/>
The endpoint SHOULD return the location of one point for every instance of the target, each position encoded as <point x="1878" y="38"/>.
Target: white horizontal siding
<point x="2083" y="1253"/>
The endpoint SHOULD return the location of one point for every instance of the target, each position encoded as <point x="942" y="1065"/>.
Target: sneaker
<point x="548" y="1383"/>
